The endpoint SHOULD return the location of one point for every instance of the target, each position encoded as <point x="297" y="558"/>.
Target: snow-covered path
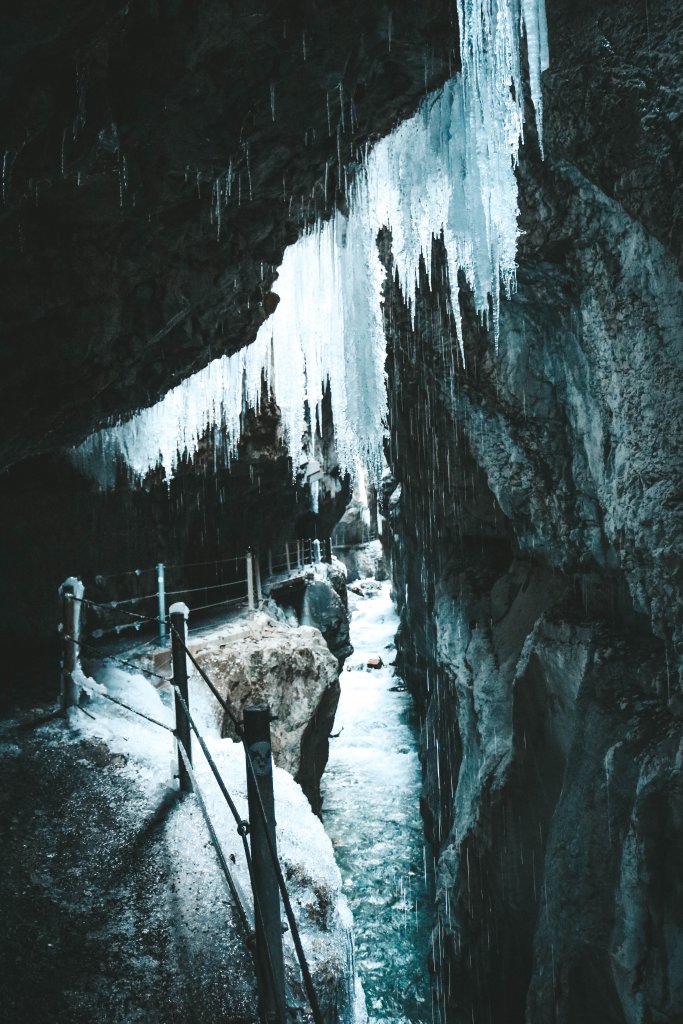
<point x="371" y="791"/>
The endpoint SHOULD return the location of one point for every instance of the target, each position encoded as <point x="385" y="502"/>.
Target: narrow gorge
<point x="321" y="317"/>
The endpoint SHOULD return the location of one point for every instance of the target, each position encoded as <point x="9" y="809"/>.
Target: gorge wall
<point x="534" y="519"/>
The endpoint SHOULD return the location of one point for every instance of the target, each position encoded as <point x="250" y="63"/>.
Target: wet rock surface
<point x="535" y="532"/>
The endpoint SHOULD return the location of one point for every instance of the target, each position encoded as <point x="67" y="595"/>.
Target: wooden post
<point x="71" y="593"/>
<point x="257" y="577"/>
<point x="161" y="593"/>
<point x="269" y="956"/>
<point x="179" y="614"/>
<point x="289" y="564"/>
<point x="328" y="551"/>
<point x="250" y="580"/>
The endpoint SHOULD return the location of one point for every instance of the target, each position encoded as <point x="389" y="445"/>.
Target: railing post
<point x="250" y="580"/>
<point x="179" y="614"/>
<point x="269" y="957"/>
<point x="299" y="555"/>
<point x="328" y="551"/>
<point x="71" y="593"/>
<point x="270" y="561"/>
<point x="289" y="564"/>
<point x="257" y="577"/>
<point x="161" y="591"/>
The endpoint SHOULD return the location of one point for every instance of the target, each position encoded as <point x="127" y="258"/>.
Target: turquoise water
<point x="371" y="792"/>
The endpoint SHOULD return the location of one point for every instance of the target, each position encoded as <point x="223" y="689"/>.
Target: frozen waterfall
<point x="450" y="169"/>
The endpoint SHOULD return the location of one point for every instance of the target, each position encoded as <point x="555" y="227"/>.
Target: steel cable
<point x="112" y="606"/>
<point x="237" y="895"/>
<point x="196" y="565"/>
<point x="221" y="700"/>
<point x="220" y="604"/>
<point x="289" y="912"/>
<point x="210" y="586"/>
<point x="119" y="661"/>
<point x="121" y="704"/>
<point x="242" y="826"/>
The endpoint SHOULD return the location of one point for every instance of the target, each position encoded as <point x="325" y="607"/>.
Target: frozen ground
<point x="371" y="793"/>
<point x="114" y="908"/>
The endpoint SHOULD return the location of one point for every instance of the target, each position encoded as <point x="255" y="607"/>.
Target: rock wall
<point x="535" y="526"/>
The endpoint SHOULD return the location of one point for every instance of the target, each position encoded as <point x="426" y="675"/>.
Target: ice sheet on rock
<point x="448" y="170"/>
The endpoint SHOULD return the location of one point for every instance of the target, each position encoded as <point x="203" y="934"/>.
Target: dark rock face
<point x="156" y="160"/>
<point x="535" y="527"/>
<point x="324" y="609"/>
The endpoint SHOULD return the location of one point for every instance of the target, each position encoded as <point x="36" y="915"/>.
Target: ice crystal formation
<point x="449" y="169"/>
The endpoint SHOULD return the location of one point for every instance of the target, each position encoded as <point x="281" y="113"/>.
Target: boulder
<point x="290" y="668"/>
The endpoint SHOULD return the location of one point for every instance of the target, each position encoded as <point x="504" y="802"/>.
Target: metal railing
<point x="226" y="583"/>
<point x="260" y="921"/>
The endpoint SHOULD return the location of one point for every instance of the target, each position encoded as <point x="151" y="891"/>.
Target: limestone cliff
<point x="536" y="540"/>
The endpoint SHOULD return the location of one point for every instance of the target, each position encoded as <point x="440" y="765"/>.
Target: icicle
<point x="450" y="169"/>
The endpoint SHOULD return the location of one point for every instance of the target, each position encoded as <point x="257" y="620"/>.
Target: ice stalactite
<point x="449" y="169"/>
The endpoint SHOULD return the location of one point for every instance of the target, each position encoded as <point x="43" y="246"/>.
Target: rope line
<point x="121" y="704"/>
<point x="217" y="775"/>
<point x="101" y="577"/>
<point x="282" y="885"/>
<point x="237" y="895"/>
<point x="219" y="604"/>
<point x="99" y="634"/>
<point x="211" y="586"/>
<point x="196" y="565"/>
<point x="112" y="606"/>
<point x="242" y="826"/>
<point x="119" y="661"/>
<point x="221" y="700"/>
<point x="132" y="600"/>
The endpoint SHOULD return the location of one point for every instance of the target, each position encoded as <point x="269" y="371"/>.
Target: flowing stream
<point x="371" y="792"/>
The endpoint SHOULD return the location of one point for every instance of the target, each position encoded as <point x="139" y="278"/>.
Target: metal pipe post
<point x="250" y="580"/>
<point x="161" y="591"/>
<point x="179" y="614"/>
<point x="257" y="577"/>
<point x="71" y="593"/>
<point x="269" y="956"/>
